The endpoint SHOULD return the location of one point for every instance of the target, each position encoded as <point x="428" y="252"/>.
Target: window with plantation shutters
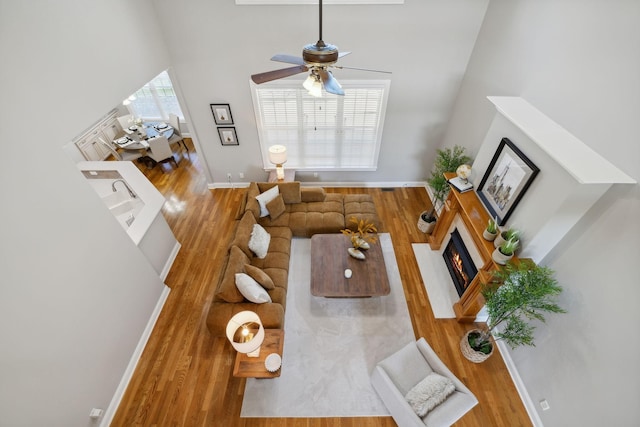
<point x="332" y="132"/>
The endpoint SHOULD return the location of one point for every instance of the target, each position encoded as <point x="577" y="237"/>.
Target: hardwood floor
<point x="184" y="377"/>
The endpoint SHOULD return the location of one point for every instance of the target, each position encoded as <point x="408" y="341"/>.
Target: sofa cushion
<point x="251" y="289"/>
<point x="266" y="197"/>
<point x="360" y="206"/>
<point x="243" y="233"/>
<point x="252" y="204"/>
<point x="259" y="276"/>
<point x="276" y="207"/>
<point x="312" y="194"/>
<point x="227" y="290"/>
<point x="290" y="190"/>
<point x="279" y="252"/>
<point x="259" y="241"/>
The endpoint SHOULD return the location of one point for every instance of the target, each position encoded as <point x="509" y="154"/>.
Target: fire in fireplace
<point x="461" y="267"/>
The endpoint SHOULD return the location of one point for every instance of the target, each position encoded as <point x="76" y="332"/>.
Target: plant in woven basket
<point x="519" y="292"/>
<point x="364" y="234"/>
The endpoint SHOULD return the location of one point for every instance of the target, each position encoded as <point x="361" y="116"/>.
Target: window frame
<point x="347" y="85"/>
<point x="157" y="99"/>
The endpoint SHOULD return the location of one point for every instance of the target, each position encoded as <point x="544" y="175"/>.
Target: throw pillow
<point x="259" y="241"/>
<point x="265" y="198"/>
<point x="429" y="393"/>
<point x="259" y="276"/>
<point x="251" y="289"/>
<point x="276" y="207"/>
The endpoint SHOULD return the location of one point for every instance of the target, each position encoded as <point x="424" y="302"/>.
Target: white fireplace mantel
<point x="578" y="159"/>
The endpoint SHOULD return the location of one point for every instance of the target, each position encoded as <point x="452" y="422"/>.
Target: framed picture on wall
<point x="228" y="136"/>
<point x="507" y="178"/>
<point x="221" y="114"/>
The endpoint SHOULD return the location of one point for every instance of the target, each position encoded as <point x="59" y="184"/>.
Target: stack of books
<point x="461" y="185"/>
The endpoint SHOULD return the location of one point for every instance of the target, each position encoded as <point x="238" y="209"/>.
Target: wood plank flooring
<point x="184" y="377"/>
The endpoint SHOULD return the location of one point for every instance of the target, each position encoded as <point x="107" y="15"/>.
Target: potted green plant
<point x="517" y="294"/>
<point x="447" y="160"/>
<point x="503" y="253"/>
<point x="508" y="234"/>
<point x="491" y="231"/>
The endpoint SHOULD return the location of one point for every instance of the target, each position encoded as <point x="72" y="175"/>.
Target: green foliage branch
<point x="527" y="292"/>
<point x="447" y="160"/>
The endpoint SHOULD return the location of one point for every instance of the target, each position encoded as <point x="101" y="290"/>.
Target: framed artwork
<point x="221" y="114"/>
<point x="507" y="178"/>
<point x="228" y="136"/>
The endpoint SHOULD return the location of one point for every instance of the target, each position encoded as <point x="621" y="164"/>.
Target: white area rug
<point x="435" y="276"/>
<point x="330" y="347"/>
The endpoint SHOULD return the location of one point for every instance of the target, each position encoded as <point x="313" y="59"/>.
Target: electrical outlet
<point x="229" y="177"/>
<point x="241" y="175"/>
<point x="315" y="174"/>
<point x="95" y="413"/>
<point x="544" y="405"/>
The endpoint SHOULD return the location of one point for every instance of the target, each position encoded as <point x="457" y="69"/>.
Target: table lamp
<point x="246" y="333"/>
<point x="278" y="156"/>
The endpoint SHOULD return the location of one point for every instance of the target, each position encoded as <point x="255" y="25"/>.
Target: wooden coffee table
<point x="253" y="367"/>
<point x="329" y="259"/>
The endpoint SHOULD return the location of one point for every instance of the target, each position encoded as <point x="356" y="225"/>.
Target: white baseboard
<point x="360" y="184"/>
<point x="517" y="381"/>
<point x="172" y="257"/>
<point x="135" y="358"/>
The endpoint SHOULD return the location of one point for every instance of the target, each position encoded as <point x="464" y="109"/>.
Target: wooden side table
<point x="289" y="176"/>
<point x="253" y="367"/>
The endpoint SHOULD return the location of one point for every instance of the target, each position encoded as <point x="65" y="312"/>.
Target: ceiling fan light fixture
<point x="313" y="85"/>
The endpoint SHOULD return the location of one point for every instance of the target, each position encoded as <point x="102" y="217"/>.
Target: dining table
<point x="135" y="137"/>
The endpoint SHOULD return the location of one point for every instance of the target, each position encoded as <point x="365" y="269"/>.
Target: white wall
<point x="75" y="292"/>
<point x="216" y="46"/>
<point x="577" y="62"/>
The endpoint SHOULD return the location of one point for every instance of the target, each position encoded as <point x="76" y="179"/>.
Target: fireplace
<point x="459" y="263"/>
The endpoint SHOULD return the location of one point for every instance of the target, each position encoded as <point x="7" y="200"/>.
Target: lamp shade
<point x="245" y="332"/>
<point x="277" y="154"/>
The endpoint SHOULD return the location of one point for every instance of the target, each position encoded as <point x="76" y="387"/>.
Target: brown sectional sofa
<point x="302" y="212"/>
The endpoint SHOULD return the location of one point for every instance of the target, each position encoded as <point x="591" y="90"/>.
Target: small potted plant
<point x="361" y="238"/>
<point x="518" y="293"/>
<point x="508" y="234"/>
<point x="503" y="253"/>
<point x="491" y="231"/>
<point x="447" y="160"/>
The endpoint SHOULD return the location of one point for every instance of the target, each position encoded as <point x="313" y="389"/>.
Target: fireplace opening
<point x="461" y="267"/>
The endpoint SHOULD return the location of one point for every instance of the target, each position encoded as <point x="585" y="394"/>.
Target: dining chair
<point x="177" y="137"/>
<point x="126" y="156"/>
<point x="125" y="122"/>
<point x="159" y="150"/>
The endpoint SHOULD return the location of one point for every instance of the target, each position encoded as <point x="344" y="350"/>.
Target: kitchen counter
<point x="149" y="230"/>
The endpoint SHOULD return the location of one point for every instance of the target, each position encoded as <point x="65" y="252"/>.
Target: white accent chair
<point x="126" y="156"/>
<point x="177" y="137"/>
<point x="393" y="377"/>
<point x="159" y="150"/>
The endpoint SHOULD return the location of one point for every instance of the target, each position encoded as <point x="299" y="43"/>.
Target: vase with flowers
<point x="362" y="234"/>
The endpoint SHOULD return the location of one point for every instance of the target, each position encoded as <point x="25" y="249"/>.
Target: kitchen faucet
<point x="131" y="193"/>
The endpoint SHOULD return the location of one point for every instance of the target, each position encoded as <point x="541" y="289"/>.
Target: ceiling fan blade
<point x="289" y="59"/>
<point x="361" y="69"/>
<point x="330" y="84"/>
<point x="278" y="74"/>
<point x="341" y="54"/>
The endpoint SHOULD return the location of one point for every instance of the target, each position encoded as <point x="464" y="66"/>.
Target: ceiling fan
<point x="316" y="58"/>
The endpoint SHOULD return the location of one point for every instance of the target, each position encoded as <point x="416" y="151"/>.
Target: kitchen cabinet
<point x="89" y="142"/>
